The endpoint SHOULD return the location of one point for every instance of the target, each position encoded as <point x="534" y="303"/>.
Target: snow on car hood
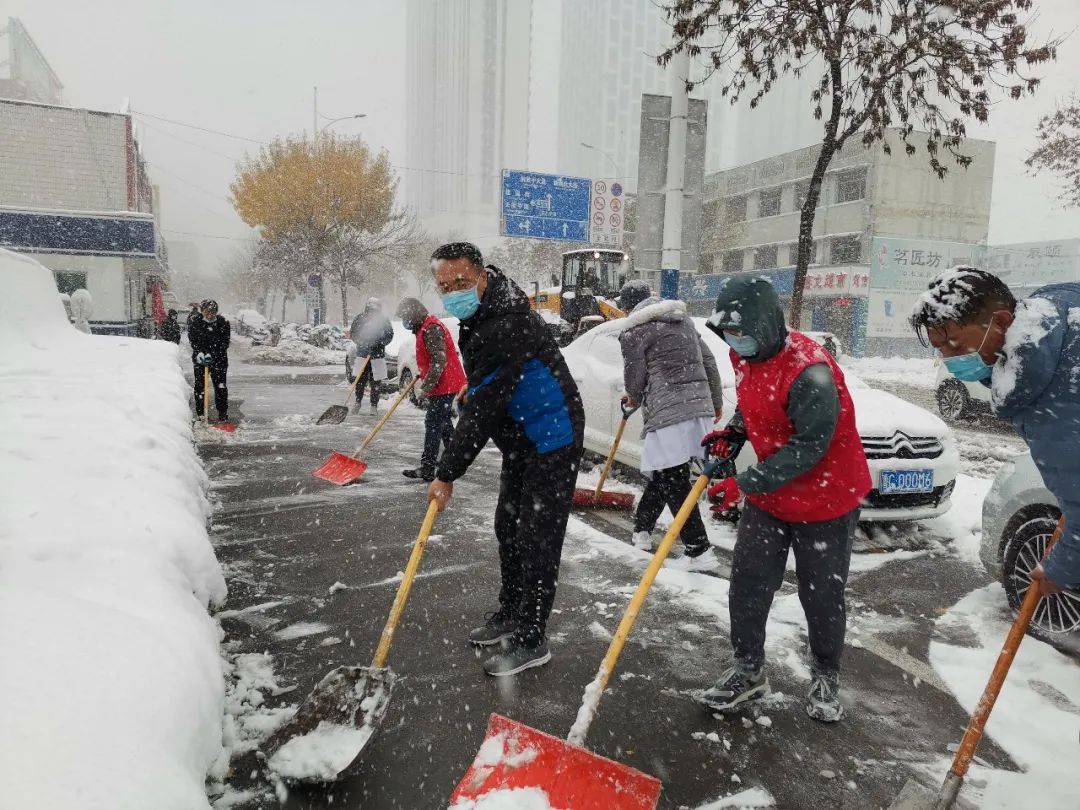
<point x="879" y="413"/>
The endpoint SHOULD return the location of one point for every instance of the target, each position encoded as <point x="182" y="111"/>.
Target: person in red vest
<point x="441" y="378"/>
<point x="803" y="493"/>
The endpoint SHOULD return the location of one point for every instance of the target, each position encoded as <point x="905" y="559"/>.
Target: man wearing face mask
<point x="803" y="493"/>
<point x="521" y="396"/>
<point x="1028" y="353"/>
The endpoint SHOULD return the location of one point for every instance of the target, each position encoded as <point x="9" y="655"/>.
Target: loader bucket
<point x="341" y="469"/>
<point x="515" y="756"/>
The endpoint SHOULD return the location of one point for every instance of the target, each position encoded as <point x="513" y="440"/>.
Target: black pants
<point x="530" y="523"/>
<point x="221" y="390"/>
<point x="670" y="488"/>
<point x="367" y="378"/>
<point x="438" y="428"/>
<point x="822" y="556"/>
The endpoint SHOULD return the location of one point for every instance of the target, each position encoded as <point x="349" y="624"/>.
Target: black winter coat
<point x="210" y="338"/>
<point x="521" y="394"/>
<point x="170" y="330"/>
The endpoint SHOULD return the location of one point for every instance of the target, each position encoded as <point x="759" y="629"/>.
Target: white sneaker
<point x="642" y="540"/>
<point x="704" y="563"/>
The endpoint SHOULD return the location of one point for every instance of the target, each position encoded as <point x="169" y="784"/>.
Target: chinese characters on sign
<point x="606" y="224"/>
<point x="836" y="282"/>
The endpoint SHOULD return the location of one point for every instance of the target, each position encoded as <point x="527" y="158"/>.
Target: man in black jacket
<point x="209" y="336"/>
<point x="521" y="396"/>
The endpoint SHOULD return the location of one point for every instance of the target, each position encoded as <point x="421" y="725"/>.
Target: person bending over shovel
<point x="441" y="378"/>
<point x="521" y="396"/>
<point x="209" y="335"/>
<point x="1028" y="353"/>
<point x="668" y="367"/>
<point x="804" y="492"/>
<point x="372" y="332"/>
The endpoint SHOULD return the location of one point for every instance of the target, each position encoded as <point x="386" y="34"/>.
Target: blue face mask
<point x="744" y="345"/>
<point x="462" y="304"/>
<point x="970" y="367"/>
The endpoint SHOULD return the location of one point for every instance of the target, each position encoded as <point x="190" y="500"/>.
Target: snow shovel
<point x="331" y="728"/>
<point x="915" y="796"/>
<point x="612" y="500"/>
<point x="336" y="414"/>
<point x="514" y="755"/>
<point x="341" y="469"/>
<point x="228" y="427"/>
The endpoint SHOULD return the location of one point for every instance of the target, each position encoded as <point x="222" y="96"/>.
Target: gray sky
<point x="247" y="67"/>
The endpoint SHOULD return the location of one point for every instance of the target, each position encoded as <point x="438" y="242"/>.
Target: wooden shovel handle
<point x="974" y="732"/>
<point x="206" y="395"/>
<point x="610" y="458"/>
<point x="390" y="412"/>
<point x="402" y="597"/>
<point x="632" y="610"/>
<point x="359" y="374"/>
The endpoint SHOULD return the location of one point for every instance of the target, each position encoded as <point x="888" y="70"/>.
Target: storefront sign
<point x="1027" y="266"/>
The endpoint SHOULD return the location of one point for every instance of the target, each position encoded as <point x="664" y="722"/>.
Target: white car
<point x="912" y="453"/>
<point x="405" y="353"/>
<point x="1019" y="516"/>
<point x="958" y="400"/>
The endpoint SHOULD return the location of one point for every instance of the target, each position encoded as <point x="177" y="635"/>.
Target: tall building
<point x="24" y="72"/>
<point x="467" y="116"/>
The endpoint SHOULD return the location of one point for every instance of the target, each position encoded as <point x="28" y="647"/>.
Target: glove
<point x="724" y="443"/>
<point x="724" y="494"/>
<point x="202" y="358"/>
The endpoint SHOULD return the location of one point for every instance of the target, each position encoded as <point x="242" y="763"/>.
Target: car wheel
<point x="953" y="401"/>
<point x="404" y="379"/>
<point x="1057" y="614"/>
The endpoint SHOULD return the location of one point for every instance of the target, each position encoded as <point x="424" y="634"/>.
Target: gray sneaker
<point x="735" y="688"/>
<point x="516" y="658"/>
<point x="497" y="627"/>
<point x="823" y="702"/>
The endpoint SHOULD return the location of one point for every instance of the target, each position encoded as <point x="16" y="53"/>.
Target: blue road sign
<point x="545" y="206"/>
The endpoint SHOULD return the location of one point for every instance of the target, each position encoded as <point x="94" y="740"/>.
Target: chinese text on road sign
<point x="545" y="206"/>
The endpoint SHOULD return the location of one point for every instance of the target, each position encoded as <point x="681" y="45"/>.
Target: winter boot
<point x="823" y="702"/>
<point x="703" y="562"/>
<point x="422" y="473"/>
<point x="642" y="540"/>
<point x="516" y="657"/>
<point x="736" y="687"/>
<point x="498" y="626"/>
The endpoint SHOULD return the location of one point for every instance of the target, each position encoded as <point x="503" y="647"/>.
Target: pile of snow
<point x="531" y="798"/>
<point x="744" y="800"/>
<point x="292" y="351"/>
<point x="1035" y="717"/>
<point x="111" y="688"/>
<point x="325" y="336"/>
<point x="321" y="754"/>
<point x="248" y="321"/>
<point x="1035" y="319"/>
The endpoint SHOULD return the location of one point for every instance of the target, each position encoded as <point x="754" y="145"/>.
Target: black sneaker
<point x="735" y="688"/>
<point x="517" y="658"/>
<point x="823" y="702"/>
<point x="498" y="626"/>
<point x="420" y="472"/>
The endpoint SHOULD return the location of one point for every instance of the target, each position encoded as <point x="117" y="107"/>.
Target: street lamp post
<point x="614" y="165"/>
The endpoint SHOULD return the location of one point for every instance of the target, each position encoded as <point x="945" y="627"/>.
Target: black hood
<point x="750" y="305"/>
<point x="502" y="297"/>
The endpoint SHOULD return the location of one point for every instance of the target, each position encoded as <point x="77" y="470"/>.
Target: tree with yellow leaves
<point x="333" y="202"/>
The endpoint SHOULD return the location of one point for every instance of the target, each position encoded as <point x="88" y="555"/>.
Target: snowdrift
<point x="111" y="689"/>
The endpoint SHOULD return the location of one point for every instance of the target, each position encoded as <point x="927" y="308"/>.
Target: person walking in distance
<point x="209" y="335"/>
<point x="521" y="396"/>
<point x="371" y="331"/>
<point x="170" y="328"/>
<point x="668" y="370"/>
<point x="803" y="493"/>
<point x="441" y="379"/>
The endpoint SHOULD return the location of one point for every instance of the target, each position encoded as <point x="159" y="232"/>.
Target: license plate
<point x="895" y="482"/>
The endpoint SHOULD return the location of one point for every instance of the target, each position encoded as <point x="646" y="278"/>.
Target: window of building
<point x="733" y="261"/>
<point x="846" y="250"/>
<point x="793" y="253"/>
<point x="710" y="212"/>
<point x="765" y="257"/>
<point x="736" y="209"/>
<point x="769" y="202"/>
<point x="801" y="190"/>
<point x="70" y="282"/>
<point x="850" y="185"/>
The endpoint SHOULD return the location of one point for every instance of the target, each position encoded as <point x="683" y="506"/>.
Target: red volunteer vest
<point x="453" y="376"/>
<point x="839" y="481"/>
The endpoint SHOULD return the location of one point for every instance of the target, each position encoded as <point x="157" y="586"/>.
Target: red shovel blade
<point x="228" y="427"/>
<point x="514" y="755"/>
<point x="341" y="469"/>
<point x="610" y="500"/>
